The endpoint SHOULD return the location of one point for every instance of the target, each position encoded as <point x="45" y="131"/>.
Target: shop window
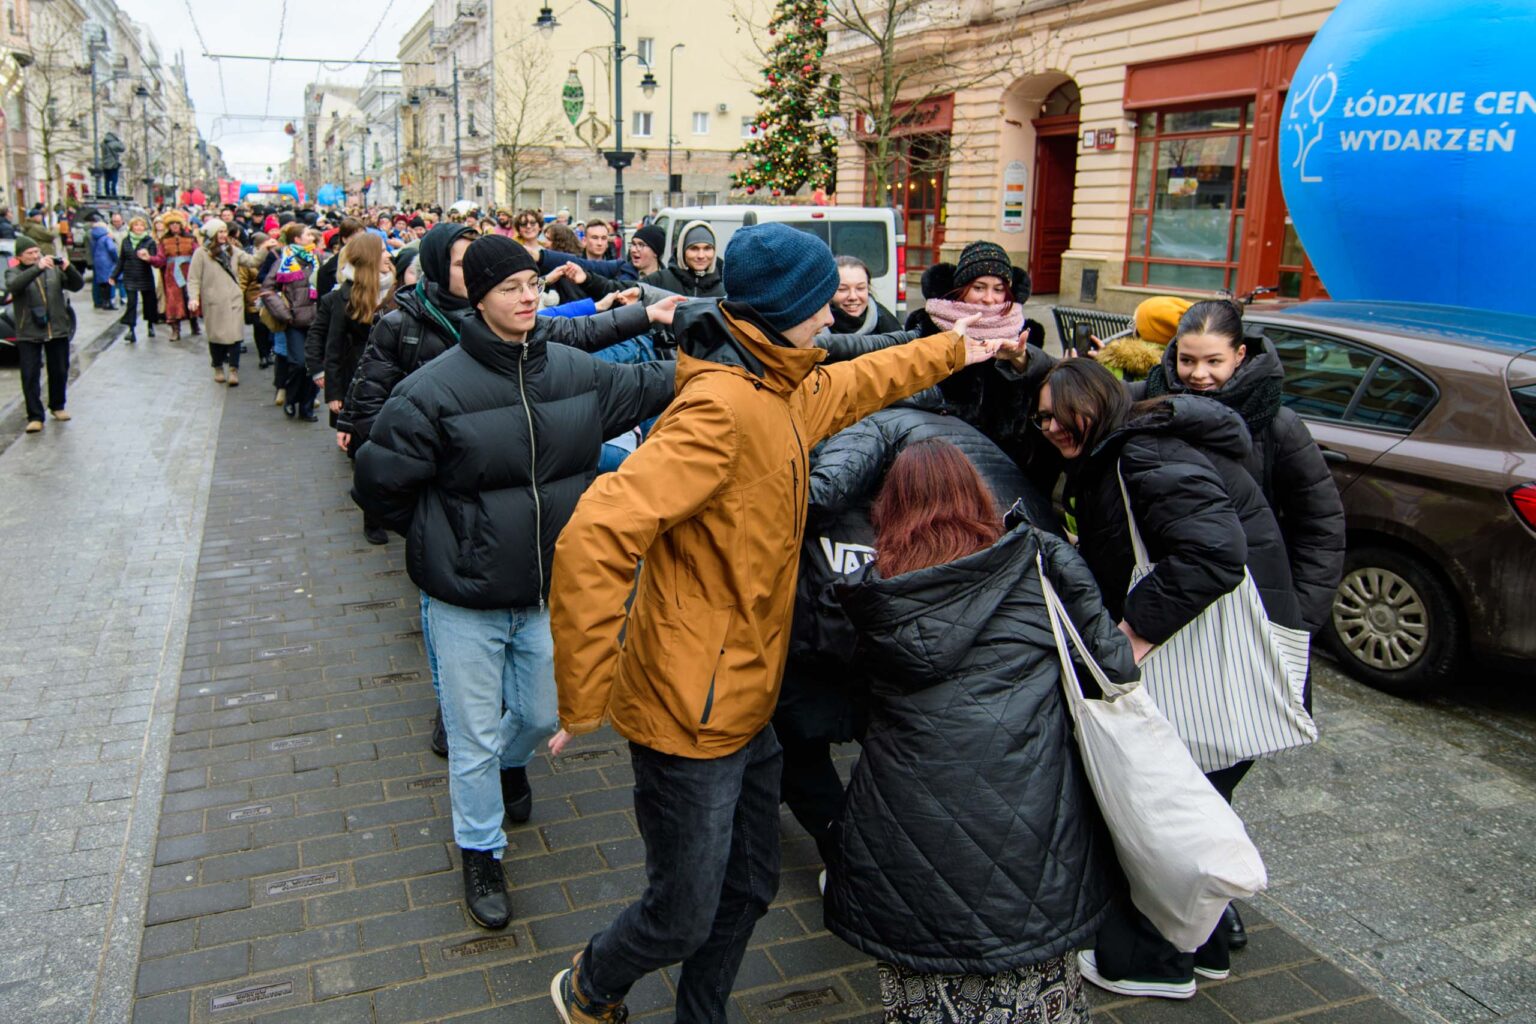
<point x="1189" y="196"/>
<point x="915" y="180"/>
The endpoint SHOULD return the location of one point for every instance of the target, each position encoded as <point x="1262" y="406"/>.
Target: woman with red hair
<point x="970" y="859"/>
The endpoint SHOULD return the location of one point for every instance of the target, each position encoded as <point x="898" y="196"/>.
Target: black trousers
<point x="263" y="336"/>
<point x="225" y="355"/>
<point x="151" y="308"/>
<point x="812" y="788"/>
<point x="32" y="355"/>
<point x="296" y="381"/>
<point x="1130" y="946"/>
<point x="711" y="833"/>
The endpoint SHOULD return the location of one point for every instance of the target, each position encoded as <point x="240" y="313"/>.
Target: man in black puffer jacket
<point x="817" y="704"/>
<point x="479" y="458"/>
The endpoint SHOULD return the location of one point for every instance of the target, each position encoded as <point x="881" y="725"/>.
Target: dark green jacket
<point x="36" y="288"/>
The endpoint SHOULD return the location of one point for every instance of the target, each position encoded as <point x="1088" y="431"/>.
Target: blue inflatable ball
<point x="1408" y="152"/>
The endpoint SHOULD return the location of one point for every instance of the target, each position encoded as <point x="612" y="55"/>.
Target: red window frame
<point x="1138" y="252"/>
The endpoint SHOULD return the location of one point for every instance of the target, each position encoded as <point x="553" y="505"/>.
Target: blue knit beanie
<point x="784" y="274"/>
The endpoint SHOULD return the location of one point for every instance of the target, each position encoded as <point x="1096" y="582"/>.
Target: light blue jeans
<point x="497" y="691"/>
<point x="426" y="642"/>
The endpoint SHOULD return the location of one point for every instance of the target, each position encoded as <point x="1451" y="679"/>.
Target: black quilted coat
<point x="846" y="472"/>
<point x="1289" y="467"/>
<point x="383" y="364"/>
<point x="970" y="841"/>
<point x="480" y="456"/>
<point x="1201" y="514"/>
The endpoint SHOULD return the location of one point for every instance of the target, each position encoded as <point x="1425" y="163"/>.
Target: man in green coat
<point x="34" y="286"/>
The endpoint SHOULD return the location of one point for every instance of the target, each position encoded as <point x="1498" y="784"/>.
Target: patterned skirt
<point x="1050" y="992"/>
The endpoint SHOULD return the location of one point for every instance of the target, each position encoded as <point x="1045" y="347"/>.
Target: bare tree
<point x="56" y="91"/>
<point x="526" y="131"/>
<point x="895" y="56"/>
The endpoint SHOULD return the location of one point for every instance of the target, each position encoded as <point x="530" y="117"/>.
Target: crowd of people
<point x="724" y="502"/>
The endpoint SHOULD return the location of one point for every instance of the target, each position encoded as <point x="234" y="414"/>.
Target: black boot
<point x="485" y="889"/>
<point x="374" y="533"/>
<point x="439" y="736"/>
<point x="516" y="794"/>
<point x="1237" y="935"/>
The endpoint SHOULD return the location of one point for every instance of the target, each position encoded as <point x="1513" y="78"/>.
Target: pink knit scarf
<point x="997" y="323"/>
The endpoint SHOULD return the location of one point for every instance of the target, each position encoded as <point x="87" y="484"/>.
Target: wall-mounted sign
<point x="1090" y="138"/>
<point x="1014" y="177"/>
<point x="1107" y="138"/>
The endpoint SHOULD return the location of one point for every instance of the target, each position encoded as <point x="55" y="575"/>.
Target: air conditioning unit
<point x="722" y="108"/>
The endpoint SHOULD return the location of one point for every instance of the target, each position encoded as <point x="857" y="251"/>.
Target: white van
<point x="868" y="232"/>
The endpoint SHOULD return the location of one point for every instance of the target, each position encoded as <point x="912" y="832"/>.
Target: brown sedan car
<point x="1427" y="415"/>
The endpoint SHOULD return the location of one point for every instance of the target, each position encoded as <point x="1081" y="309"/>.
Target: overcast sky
<point x="326" y="29"/>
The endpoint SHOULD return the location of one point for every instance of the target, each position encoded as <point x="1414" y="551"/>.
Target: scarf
<point x="843" y="323"/>
<point x="348" y="275"/>
<point x="998" y="323"/>
<point x="423" y="290"/>
<point x="296" y="259"/>
<point x="1253" y="396"/>
<point x="220" y="253"/>
<point x="136" y="242"/>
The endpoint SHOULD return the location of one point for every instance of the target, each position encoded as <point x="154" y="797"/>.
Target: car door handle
<point x="1329" y="455"/>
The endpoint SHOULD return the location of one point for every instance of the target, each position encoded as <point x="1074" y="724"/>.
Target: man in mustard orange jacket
<point x="714" y="503"/>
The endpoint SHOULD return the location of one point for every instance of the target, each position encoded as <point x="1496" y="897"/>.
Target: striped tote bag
<point x="1230" y="681"/>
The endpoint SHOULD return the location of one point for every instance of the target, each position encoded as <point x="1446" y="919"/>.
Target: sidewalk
<point x="100" y="522"/>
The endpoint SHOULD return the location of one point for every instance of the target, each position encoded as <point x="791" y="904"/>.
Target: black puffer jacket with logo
<point x="821" y="677"/>
<point x="479" y="457"/>
<point x="970" y="841"/>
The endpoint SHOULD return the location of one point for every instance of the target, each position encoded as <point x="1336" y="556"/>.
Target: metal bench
<point x="1103" y="325"/>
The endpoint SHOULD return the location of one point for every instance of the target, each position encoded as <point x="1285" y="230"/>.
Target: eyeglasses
<point x="1041" y="418"/>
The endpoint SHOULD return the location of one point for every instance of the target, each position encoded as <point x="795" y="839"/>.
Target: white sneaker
<point x="1214" y="973"/>
<point x="821" y="883"/>
<point x="1156" y="989"/>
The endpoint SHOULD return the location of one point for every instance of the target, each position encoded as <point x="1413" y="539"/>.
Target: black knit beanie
<point x="490" y="260"/>
<point x="654" y="237"/>
<point x="980" y="259"/>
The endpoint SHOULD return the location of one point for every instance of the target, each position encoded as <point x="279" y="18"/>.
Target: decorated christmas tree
<point x="790" y="146"/>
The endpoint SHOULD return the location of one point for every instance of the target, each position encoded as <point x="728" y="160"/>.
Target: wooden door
<point x="1055" y="179"/>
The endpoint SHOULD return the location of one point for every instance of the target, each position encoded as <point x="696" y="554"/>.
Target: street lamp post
<point x="458" y="159"/>
<point x="398" y="97"/>
<point x="92" y="48"/>
<point x="142" y="93"/>
<point x="617" y="158"/>
<point x="671" y="81"/>
<point x="175" y="179"/>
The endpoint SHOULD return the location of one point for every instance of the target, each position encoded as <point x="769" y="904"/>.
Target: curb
<point x="13" y="415"/>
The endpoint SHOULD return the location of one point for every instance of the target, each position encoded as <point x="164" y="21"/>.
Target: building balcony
<point x="472" y="10"/>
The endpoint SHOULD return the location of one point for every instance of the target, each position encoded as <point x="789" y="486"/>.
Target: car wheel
<point x="1394" y="625"/>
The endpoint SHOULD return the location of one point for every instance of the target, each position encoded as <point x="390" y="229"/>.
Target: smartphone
<point x="1082" y="338"/>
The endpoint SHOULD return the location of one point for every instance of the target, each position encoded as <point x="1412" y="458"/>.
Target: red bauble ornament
<point x="817" y="23"/>
<point x="751" y="189"/>
<point x="754" y="129"/>
<point x="777" y="192"/>
<point x="808" y="68"/>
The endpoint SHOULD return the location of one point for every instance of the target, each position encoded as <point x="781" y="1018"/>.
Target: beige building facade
<point x="1116" y="148"/>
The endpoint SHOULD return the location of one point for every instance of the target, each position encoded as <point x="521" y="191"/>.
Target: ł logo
<point x="844" y="557"/>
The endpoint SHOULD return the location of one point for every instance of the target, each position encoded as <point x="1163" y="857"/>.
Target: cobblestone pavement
<point x="292" y="821"/>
